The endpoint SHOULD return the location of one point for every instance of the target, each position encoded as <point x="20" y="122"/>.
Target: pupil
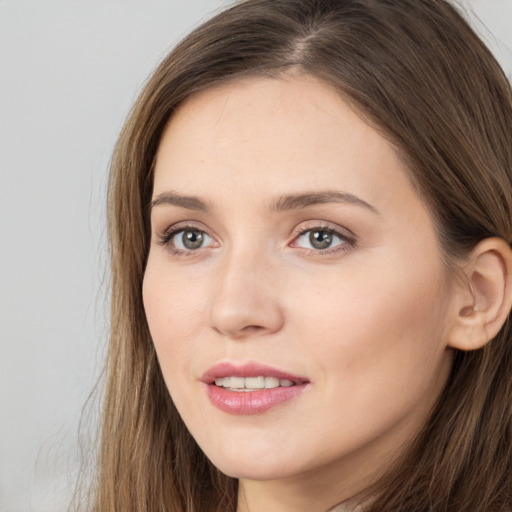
<point x="192" y="239"/>
<point x="320" y="239"/>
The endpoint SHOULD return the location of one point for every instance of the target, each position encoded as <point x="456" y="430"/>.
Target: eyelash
<point x="348" y="241"/>
<point x="167" y="237"/>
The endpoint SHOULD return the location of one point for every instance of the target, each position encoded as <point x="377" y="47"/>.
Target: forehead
<point x="281" y="135"/>
<point x="249" y="112"/>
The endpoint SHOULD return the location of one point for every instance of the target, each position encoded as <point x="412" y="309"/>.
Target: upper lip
<point x="248" y="370"/>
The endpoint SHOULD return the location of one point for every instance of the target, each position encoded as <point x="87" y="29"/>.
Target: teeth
<point x="252" y="383"/>
<point x="271" y="382"/>
<point x="237" y="383"/>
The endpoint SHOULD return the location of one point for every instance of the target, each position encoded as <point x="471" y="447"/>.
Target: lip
<point x="250" y="402"/>
<point x="248" y="370"/>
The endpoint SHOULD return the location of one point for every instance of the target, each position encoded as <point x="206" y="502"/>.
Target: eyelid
<point x="165" y="237"/>
<point x="310" y="225"/>
<point x="345" y="234"/>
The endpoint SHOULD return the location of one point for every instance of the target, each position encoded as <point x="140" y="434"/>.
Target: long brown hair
<point x="417" y="72"/>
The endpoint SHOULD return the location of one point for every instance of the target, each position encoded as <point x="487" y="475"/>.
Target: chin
<point x="255" y="464"/>
<point x="260" y="471"/>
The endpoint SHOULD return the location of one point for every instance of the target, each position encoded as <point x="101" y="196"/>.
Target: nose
<point x="245" y="297"/>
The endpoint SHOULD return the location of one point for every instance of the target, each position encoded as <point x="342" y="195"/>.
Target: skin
<point x="366" y="320"/>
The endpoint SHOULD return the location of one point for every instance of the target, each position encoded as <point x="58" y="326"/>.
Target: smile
<point x="251" y="388"/>
<point x="252" y="383"/>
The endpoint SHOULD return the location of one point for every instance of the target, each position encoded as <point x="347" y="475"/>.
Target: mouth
<point x="247" y="384"/>
<point x="250" y="389"/>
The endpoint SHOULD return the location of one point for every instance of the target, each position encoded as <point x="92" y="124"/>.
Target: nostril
<point x="241" y="332"/>
<point x="244" y="305"/>
<point x="253" y="328"/>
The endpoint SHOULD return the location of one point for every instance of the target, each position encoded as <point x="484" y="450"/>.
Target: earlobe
<point x="484" y="302"/>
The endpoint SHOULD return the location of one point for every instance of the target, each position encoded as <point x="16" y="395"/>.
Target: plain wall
<point x="69" y="72"/>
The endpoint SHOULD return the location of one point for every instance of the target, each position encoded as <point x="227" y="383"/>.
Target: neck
<point x="294" y="503"/>
<point x="325" y="490"/>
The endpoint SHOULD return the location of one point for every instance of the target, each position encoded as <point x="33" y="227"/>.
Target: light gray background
<point x="69" y="72"/>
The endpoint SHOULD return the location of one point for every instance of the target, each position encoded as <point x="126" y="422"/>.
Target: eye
<point x="190" y="240"/>
<point x="186" y="239"/>
<point x="321" y="239"/>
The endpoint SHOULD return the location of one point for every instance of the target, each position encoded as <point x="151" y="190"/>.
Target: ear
<point x="483" y="302"/>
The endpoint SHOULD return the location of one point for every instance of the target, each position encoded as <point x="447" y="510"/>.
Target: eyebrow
<point x="174" y="199"/>
<point x="281" y="204"/>
<point x="296" y="201"/>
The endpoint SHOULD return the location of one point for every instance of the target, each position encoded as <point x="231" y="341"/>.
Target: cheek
<point x="380" y="333"/>
<point x="173" y="311"/>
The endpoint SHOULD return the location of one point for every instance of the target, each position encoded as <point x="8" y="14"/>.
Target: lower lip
<point x="251" y="402"/>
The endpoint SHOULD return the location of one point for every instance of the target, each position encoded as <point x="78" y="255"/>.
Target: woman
<point x="310" y="225"/>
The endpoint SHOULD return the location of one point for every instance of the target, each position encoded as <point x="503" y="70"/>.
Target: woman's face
<point x="294" y="290"/>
